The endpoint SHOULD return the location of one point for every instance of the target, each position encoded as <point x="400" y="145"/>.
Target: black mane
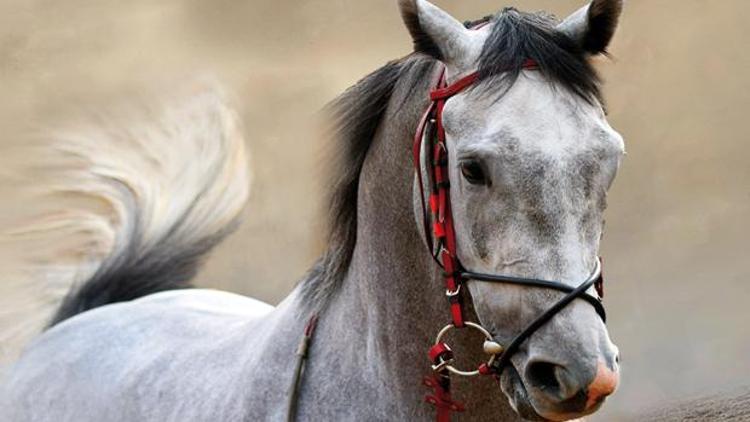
<point x="515" y="37"/>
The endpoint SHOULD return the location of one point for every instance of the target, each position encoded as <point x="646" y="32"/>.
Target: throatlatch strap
<point x="417" y="153"/>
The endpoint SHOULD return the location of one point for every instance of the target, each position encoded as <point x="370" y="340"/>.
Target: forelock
<point x="516" y="37"/>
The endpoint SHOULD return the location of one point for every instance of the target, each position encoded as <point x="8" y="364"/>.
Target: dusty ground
<point x="677" y="229"/>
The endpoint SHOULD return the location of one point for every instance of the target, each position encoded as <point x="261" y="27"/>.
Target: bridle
<point x="431" y="155"/>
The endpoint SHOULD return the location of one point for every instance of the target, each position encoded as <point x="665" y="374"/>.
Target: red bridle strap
<point x="443" y="225"/>
<point x="454" y="88"/>
<point x="442" y="231"/>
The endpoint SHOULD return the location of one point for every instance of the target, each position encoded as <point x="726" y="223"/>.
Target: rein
<point x="302" y="354"/>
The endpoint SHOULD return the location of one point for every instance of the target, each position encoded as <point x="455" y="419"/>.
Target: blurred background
<point x="677" y="227"/>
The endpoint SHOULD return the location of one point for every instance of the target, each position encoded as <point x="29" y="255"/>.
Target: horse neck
<point x="392" y="301"/>
<point x="391" y="285"/>
<point x="389" y="288"/>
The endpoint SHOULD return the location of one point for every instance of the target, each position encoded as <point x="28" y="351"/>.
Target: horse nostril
<point x="551" y="379"/>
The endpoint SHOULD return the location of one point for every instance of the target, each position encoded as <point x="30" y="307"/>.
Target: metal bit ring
<point x="488" y="338"/>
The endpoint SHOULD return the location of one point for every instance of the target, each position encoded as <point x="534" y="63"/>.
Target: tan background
<point x="676" y="245"/>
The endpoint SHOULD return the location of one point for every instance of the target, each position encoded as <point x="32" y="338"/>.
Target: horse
<point x="523" y="160"/>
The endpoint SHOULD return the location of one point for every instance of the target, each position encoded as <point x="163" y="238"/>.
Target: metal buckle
<point x="453" y="293"/>
<point x="490" y="347"/>
<point x="442" y="365"/>
<point x="440" y="252"/>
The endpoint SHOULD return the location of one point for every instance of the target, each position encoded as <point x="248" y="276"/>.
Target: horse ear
<point x="434" y="32"/>
<point x="594" y="25"/>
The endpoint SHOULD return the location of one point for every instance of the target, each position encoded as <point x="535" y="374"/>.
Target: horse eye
<point x="473" y="173"/>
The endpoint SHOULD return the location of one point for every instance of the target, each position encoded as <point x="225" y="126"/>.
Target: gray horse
<point x="532" y="157"/>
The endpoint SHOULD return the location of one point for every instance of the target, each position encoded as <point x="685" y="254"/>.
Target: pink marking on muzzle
<point x="604" y="384"/>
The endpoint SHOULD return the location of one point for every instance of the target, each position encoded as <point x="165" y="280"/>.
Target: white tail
<point x="133" y="203"/>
